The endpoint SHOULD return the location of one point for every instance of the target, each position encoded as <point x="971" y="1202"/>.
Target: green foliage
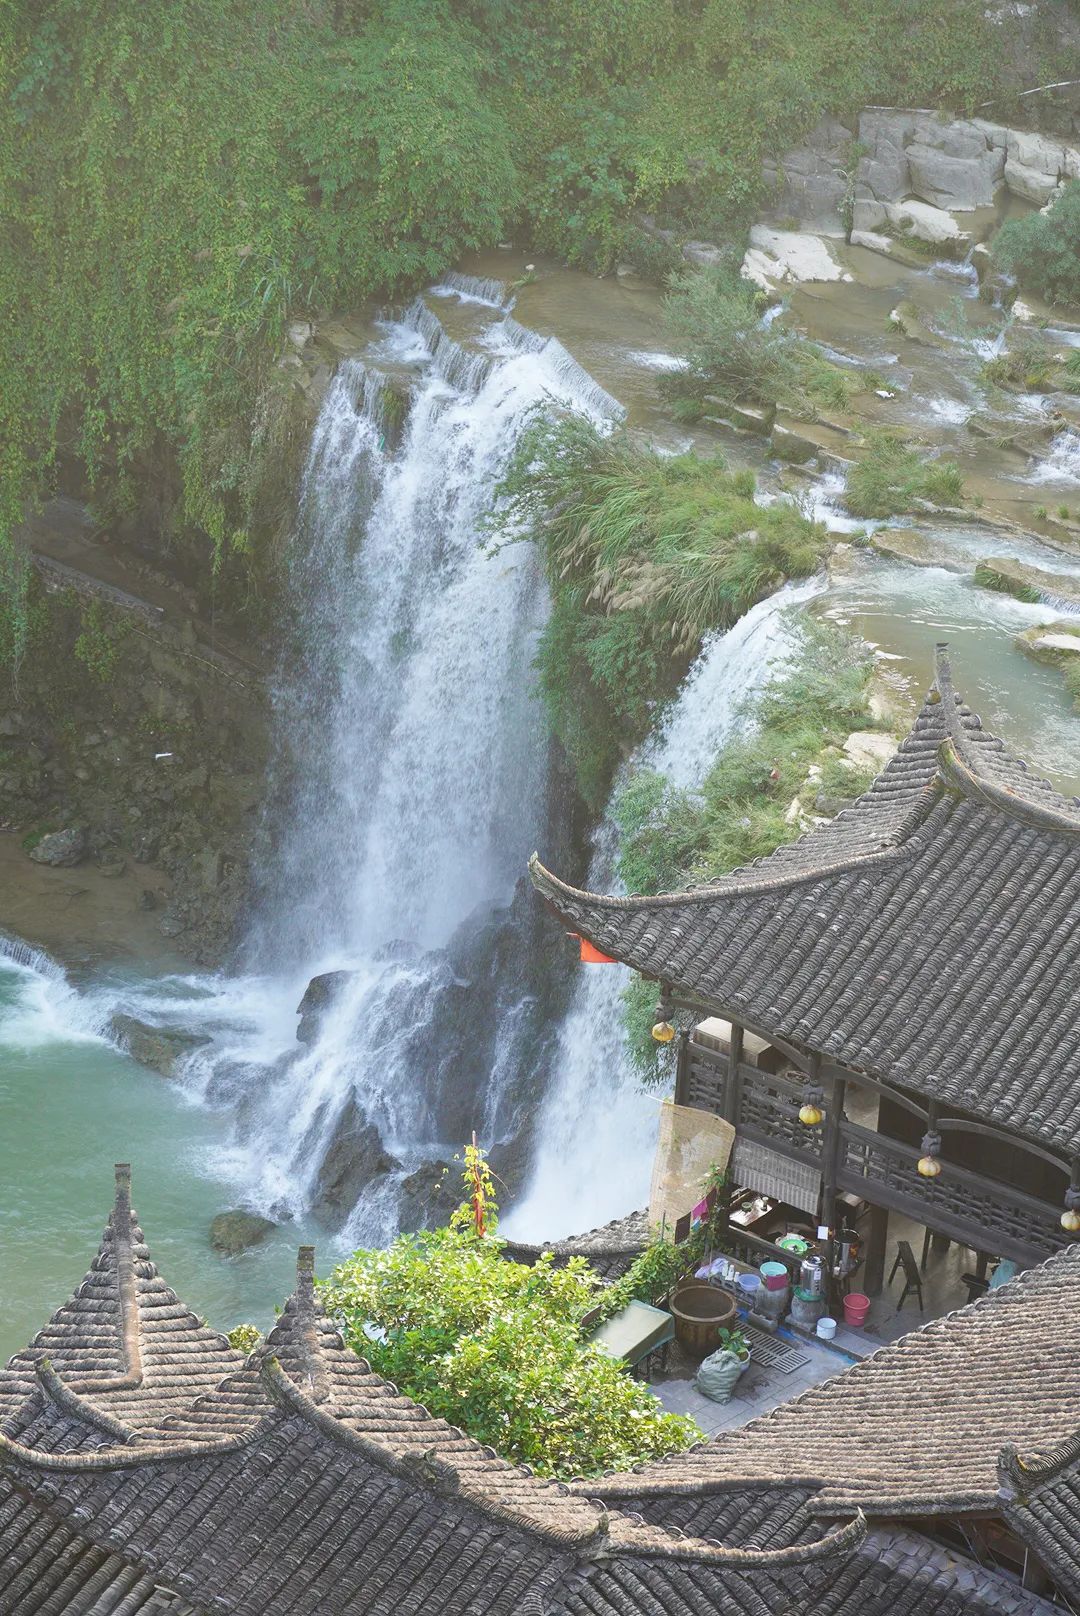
<point x="645" y="555"/>
<point x="245" y="1338"/>
<point x="672" y="838"/>
<point x="1027" y="364"/>
<point x="891" y="478"/>
<point x="714" y="316"/>
<point x="499" y="1348"/>
<point x="180" y="178"/>
<point x="97" y="645"/>
<point x="1043" y="249"/>
<point x="734" y="1340"/>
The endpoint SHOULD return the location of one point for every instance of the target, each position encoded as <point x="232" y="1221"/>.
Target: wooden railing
<point x="966" y="1206"/>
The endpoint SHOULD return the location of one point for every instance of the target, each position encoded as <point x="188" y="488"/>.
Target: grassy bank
<point x="181" y="178"/>
<point x="645" y="555"/>
<point x="758" y="794"/>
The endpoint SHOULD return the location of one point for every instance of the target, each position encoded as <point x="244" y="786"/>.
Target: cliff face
<point x="135" y="726"/>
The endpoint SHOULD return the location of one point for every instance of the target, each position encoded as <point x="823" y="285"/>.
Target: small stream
<point x="74" y="1103"/>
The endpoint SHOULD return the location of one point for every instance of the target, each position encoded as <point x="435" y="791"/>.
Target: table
<point x="636" y="1332"/>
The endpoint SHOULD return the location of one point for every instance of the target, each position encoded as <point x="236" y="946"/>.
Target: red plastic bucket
<point x="856" y="1307"/>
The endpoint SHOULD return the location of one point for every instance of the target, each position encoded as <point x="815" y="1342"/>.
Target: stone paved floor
<point x="761" y="1389"/>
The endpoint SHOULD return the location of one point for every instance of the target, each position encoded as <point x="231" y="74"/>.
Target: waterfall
<point x="409" y="786"/>
<point x="598" y="1128"/>
<point x="41" y="1006"/>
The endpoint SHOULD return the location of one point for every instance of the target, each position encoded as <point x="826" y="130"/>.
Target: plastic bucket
<point x="826" y="1328"/>
<point x="856" y="1307"/>
<point x="774" y="1275"/>
<point x="748" y="1285"/>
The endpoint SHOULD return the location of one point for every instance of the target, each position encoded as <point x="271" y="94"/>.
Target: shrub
<point x="714" y="316"/>
<point x="1043" y="249"/>
<point x="892" y="478"/>
<point x="645" y="555"/>
<point x="499" y="1348"/>
<point x="245" y="1338"/>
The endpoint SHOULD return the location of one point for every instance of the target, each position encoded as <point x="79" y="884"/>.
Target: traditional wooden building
<point x="147" y="1470"/>
<point x="908" y="976"/>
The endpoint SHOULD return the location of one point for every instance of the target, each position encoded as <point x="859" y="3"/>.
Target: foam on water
<point x="1061" y="467"/>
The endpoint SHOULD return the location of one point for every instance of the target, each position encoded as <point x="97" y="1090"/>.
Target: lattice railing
<point x="1007" y="1220"/>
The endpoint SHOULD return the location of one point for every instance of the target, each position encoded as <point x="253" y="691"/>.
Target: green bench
<point x="636" y="1332"/>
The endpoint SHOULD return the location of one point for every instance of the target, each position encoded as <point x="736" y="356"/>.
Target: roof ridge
<point x="961" y="765"/>
<point x="1020" y="1476"/>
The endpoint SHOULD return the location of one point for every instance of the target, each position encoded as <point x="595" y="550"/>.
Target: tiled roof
<point x="916" y="1429"/>
<point x="1040" y="1499"/>
<point x="124" y="1341"/>
<point x="609" y="1250"/>
<point x="927" y="934"/>
<point x="303" y="1484"/>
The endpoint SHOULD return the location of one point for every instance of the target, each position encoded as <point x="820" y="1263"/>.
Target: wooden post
<point x="733" y="1096"/>
<point x="682" y="1069"/>
<point x="830" y="1158"/>
<point x="876" y="1248"/>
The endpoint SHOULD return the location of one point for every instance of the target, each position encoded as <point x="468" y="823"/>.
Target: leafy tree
<point x="497" y="1347"/>
<point x="1043" y="249"/>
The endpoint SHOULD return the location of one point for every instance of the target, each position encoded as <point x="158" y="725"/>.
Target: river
<point x="412" y="780"/>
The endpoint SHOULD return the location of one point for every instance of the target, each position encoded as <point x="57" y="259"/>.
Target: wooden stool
<point x="905" y="1259"/>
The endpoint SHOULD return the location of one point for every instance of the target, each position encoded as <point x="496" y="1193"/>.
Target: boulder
<point x="924" y="222"/>
<point x="1011" y="576"/>
<point x="160" y="1048"/>
<point x="320" y="992"/>
<point x="60" y="848"/>
<point x="430" y="1194"/>
<point x="953" y="137"/>
<point x="867" y="215"/>
<point x="912" y="545"/>
<point x="961" y="183"/>
<point x="869" y="749"/>
<point x="354" y="1157"/>
<point x="233" y="1232"/>
<point x="1030" y="183"/>
<point x="1036" y="152"/>
<point x="789" y="256"/>
<point x="1057" y="644"/>
<point x="995" y="134"/>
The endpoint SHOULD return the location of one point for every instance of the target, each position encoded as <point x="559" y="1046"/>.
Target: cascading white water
<point x="412" y="787"/>
<point x="598" y="1128"/>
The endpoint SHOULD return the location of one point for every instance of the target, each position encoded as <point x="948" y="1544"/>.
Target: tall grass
<point x="645" y="555"/>
<point x="893" y="478"/>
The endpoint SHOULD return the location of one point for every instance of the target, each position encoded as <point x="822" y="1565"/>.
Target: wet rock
<point x="430" y="1194"/>
<point x="912" y="545"/>
<point x="162" y="1049"/>
<point x="234" y="1232"/>
<point x="754" y="418"/>
<point x="790" y="256"/>
<point x="112" y="867"/>
<point x="906" y="320"/>
<point x="354" y="1157"/>
<point x="320" y="992"/>
<point x="61" y="848"/>
<point x="1011" y="576"/>
<point x="1057" y="644"/>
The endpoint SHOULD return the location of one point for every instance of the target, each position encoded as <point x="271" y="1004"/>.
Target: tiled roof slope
<point x="1040" y="1499"/>
<point x="609" y="1250"/>
<point x="917" y="1429"/>
<point x="927" y="934"/>
<point x="124" y="1341"/>
<point x="305" y="1485"/>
